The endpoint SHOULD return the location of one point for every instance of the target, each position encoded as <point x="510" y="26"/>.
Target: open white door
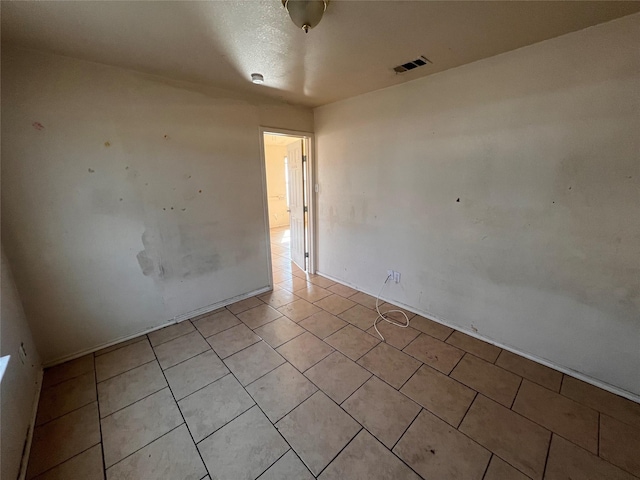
<point x="296" y="203"/>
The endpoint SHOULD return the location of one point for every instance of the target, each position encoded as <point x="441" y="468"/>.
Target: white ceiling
<point x="351" y="52"/>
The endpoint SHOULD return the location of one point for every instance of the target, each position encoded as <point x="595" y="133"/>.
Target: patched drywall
<point x="128" y="199"/>
<point x="506" y="192"/>
<point x="20" y="382"/>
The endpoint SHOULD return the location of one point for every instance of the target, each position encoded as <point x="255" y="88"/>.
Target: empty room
<point x="333" y="239"/>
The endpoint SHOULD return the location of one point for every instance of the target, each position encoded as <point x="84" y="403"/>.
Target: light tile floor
<point x="295" y="384"/>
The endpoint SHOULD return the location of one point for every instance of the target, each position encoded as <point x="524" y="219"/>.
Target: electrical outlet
<point x="396" y="277"/>
<point x="390" y="273"/>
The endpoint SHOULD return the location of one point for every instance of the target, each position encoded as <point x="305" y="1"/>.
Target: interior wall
<point x="506" y="192"/>
<point x="20" y="382"/>
<point x="276" y="185"/>
<point x="128" y="199"/>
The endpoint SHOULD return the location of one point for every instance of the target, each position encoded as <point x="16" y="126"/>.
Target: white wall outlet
<point x="390" y="273"/>
<point x="396" y="277"/>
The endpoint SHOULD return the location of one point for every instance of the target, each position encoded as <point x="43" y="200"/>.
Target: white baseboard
<point x="176" y="319"/>
<point x="580" y="376"/>
<point x="24" y="461"/>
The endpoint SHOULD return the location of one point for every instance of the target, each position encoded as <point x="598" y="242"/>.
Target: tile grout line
<point x="272" y="424"/>
<point x="513" y="402"/>
<point x="128" y="370"/>
<point x="486" y="469"/>
<point x="104" y="465"/>
<point x="184" y="422"/>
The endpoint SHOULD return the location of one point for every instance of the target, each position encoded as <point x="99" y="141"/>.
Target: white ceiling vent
<point x="418" y="62"/>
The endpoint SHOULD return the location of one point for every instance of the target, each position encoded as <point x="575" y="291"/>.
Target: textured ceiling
<point x="351" y="52"/>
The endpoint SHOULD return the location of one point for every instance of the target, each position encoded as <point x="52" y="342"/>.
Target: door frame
<point x="310" y="183"/>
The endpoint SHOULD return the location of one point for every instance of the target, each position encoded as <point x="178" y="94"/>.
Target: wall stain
<point x="38" y="126"/>
<point x="107" y="144"/>
<point x="91" y="170"/>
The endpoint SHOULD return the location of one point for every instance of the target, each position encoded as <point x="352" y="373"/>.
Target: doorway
<point x="288" y="176"/>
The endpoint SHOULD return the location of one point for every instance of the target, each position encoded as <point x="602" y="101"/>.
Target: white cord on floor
<point x="383" y="315"/>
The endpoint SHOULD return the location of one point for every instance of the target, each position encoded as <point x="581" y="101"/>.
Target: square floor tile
<point x="360" y="316"/>
<point x="396" y="315"/>
<point x="66" y="396"/>
<point x="195" y="373"/>
<point x="212" y="407"/>
<point x="67" y="370"/>
<point x="172" y="456"/>
<point x="342" y="290"/>
<point x="480" y="349"/>
<point x="281" y="275"/>
<point x="279" y="298"/>
<point x="563" y="416"/>
<point x="533" y="371"/>
<point x="279" y="331"/>
<point x="335" y="304"/>
<point x="305" y="351"/>
<point x="435" y="449"/>
<point x="244" y="448"/>
<point x="298" y="310"/>
<point x="118" y="345"/>
<point x="382" y="410"/>
<point x="364" y="300"/>
<point x="435" y="329"/>
<point x="180" y="349"/>
<point x="337" y="376"/>
<point x="280" y="391"/>
<point x="313" y="293"/>
<point x="244" y="305"/>
<point x="85" y="466"/>
<point x="322" y="324"/>
<point x="352" y="341"/>
<point x="137" y="425"/>
<point x="568" y="461"/>
<point x="216" y="323"/>
<point x="493" y="382"/>
<point x="72" y="434"/>
<point x="294" y="284"/>
<point x="389" y="364"/>
<point x="258" y="316"/>
<point x="253" y="362"/>
<point x="398" y="337"/>
<point x="606" y="402"/>
<point x="441" y="395"/>
<point x="433" y="352"/>
<point x="129" y="387"/>
<point x="289" y="467"/>
<point x="365" y="458"/>
<point x="321" y="281"/>
<point x="620" y="444"/>
<point x="317" y="430"/>
<point x="125" y="358"/>
<point x="501" y="470"/>
<point x="512" y="437"/>
<point x="232" y="340"/>
<point x="169" y="333"/>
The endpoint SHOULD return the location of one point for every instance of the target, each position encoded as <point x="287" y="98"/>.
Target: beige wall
<point x="20" y="383"/>
<point x="128" y="199"/>
<point x="541" y="147"/>
<point x="276" y="185"/>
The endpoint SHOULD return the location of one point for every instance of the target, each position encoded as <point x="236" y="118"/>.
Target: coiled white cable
<point x="382" y="316"/>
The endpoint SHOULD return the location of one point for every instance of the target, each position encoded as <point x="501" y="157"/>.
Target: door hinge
<point x="306" y="209"/>
<point x="306" y="254"/>
<point x="304" y="158"/>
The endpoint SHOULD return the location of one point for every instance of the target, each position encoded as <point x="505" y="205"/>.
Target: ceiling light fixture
<point x="257" y="78"/>
<point x="305" y="14"/>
